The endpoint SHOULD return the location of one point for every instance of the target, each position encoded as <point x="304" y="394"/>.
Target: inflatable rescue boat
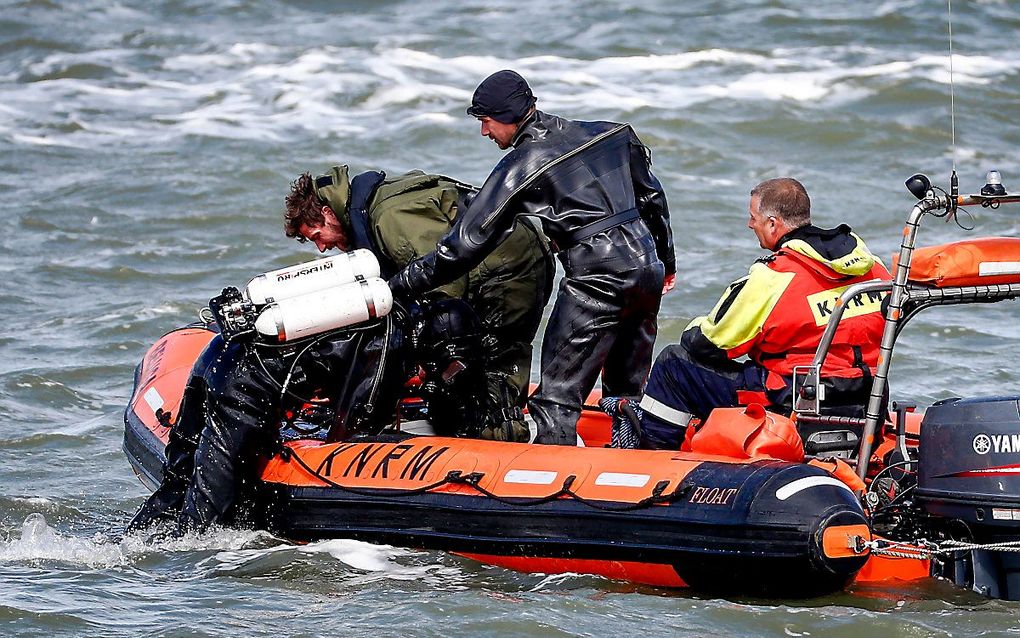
<point x="741" y="510"/>
<point x="676" y="519"/>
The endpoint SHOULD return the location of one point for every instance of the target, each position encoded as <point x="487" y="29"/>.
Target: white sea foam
<point x="56" y="62"/>
<point x="682" y="61"/>
<point x="759" y="86"/>
<point x="78" y="428"/>
<point x="263" y="92"/>
<point x="554" y="581"/>
<point x="216" y="538"/>
<point x="8" y="112"/>
<point x="35" y="501"/>
<point x="963" y="153"/>
<point x="895" y="7"/>
<point x="366" y="556"/>
<point x="152" y="312"/>
<point x="40" y="542"/>
<point x="45" y="140"/>
<point x="377" y="561"/>
<point x="240" y="54"/>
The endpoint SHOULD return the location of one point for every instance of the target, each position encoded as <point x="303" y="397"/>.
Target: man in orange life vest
<point x="776" y="316"/>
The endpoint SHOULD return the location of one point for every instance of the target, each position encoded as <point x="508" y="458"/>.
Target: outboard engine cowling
<point x="969" y="475"/>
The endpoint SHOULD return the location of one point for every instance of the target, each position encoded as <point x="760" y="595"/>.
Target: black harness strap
<point x="596" y="227"/>
<point x="859" y="362"/>
<point x="322" y="181"/>
<point x="363" y="188"/>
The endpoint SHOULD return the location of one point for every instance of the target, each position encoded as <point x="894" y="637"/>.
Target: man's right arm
<point x="651" y="202"/>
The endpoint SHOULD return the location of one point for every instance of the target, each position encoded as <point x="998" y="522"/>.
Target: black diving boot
<point x="164" y="505"/>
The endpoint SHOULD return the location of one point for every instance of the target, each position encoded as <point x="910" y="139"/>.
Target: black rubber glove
<point x="399" y="287"/>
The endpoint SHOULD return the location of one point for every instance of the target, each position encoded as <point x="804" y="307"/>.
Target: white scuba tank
<point x="310" y="276"/>
<point x="326" y="309"/>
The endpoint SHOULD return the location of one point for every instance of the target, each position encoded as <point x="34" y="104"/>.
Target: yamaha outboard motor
<point x="969" y="483"/>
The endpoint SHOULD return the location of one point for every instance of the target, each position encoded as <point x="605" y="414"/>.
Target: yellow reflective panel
<point x="742" y="321"/>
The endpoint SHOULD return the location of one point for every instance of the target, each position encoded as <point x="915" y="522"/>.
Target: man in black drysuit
<point x="591" y="186"/>
<point x="235" y="401"/>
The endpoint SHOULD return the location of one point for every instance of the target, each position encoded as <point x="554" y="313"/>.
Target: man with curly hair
<point x="400" y="219"/>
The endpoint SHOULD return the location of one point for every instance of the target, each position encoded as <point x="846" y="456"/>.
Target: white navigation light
<point x="993" y="184"/>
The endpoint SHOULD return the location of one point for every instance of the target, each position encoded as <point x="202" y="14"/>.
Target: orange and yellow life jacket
<point x="777" y="313"/>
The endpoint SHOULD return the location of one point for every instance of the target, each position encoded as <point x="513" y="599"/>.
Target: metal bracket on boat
<point x="206" y="316"/>
<point x="808" y="391"/>
<point x="456" y="476"/>
<point x="901" y="409"/>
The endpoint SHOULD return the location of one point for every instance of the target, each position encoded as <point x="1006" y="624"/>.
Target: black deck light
<point x="918" y="185"/>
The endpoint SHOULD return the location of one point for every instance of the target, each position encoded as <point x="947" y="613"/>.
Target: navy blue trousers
<point x="680" y="388"/>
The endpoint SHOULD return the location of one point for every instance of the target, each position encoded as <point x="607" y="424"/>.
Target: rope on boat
<point x="924" y="549"/>
<point x="456" y="477"/>
<point x="955" y="546"/>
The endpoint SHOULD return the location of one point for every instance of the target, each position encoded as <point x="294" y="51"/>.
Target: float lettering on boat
<point x="712" y="495"/>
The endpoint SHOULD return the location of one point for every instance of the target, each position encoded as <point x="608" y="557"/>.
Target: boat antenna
<point x="954" y="181"/>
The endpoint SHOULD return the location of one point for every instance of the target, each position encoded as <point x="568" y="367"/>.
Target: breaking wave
<point x="255" y="91"/>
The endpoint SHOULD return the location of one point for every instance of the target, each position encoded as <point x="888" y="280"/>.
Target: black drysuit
<point x="590" y="185"/>
<point x="234" y="403"/>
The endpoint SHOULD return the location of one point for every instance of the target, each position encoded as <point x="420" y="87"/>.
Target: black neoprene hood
<point x="504" y="96"/>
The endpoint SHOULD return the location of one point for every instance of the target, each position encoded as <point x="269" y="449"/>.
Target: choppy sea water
<point x="145" y="148"/>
